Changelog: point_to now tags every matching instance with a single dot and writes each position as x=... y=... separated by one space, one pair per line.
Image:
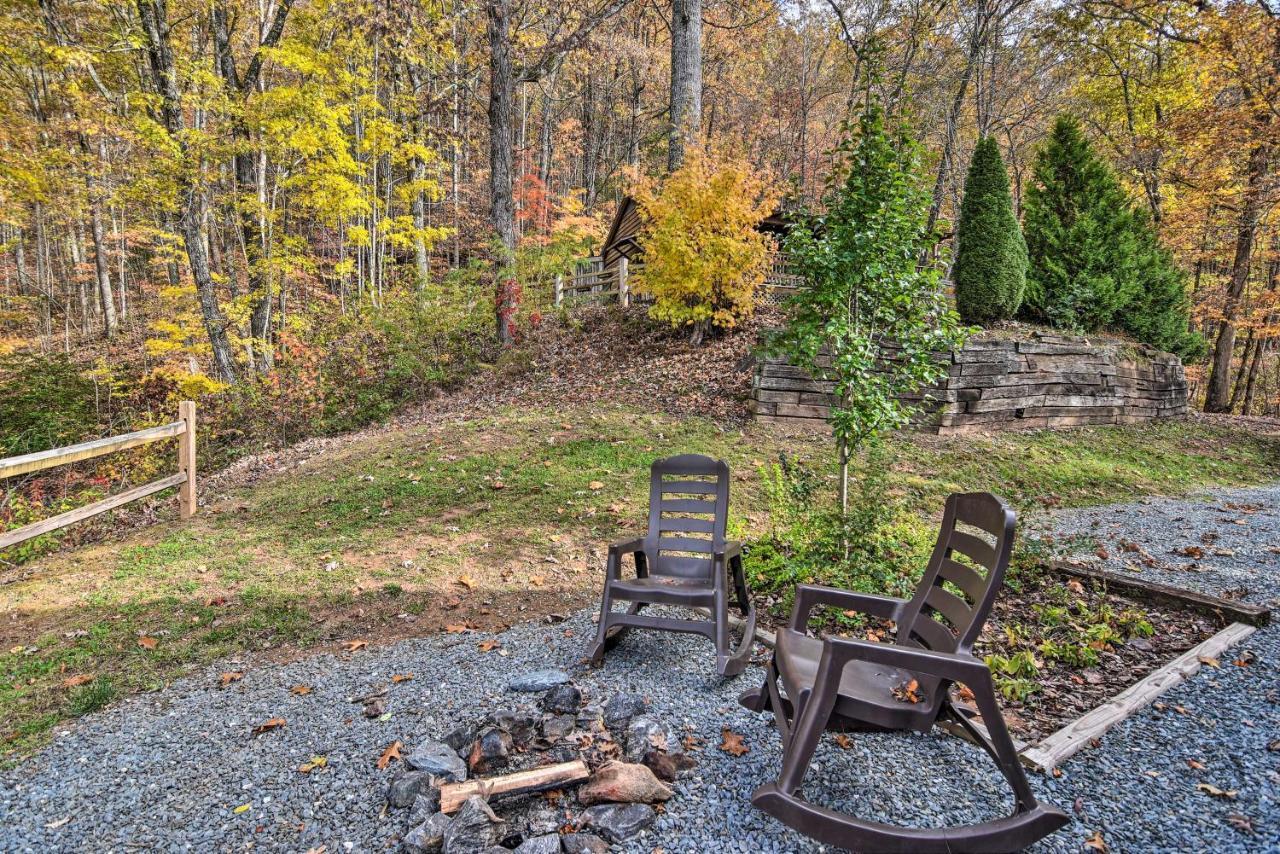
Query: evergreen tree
x=1095 y=261
x=1080 y=236
x=990 y=271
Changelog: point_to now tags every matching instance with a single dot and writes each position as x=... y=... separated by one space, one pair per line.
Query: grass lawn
x=480 y=523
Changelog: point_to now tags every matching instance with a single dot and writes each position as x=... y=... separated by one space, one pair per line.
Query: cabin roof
x=622 y=241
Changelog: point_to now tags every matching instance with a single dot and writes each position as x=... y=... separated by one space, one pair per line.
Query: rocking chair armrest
x=810 y=595
x=954 y=666
x=626 y=547
x=731 y=548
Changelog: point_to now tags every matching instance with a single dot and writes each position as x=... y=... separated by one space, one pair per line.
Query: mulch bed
x=1068 y=692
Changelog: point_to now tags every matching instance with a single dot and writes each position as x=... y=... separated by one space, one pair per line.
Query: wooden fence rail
x=185 y=431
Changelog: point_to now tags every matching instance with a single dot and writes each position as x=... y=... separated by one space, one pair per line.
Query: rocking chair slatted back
x=949 y=620
x=688 y=513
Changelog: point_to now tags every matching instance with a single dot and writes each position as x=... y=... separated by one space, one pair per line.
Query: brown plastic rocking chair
x=839 y=683
x=683 y=560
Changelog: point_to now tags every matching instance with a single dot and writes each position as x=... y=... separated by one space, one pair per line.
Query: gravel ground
x=168 y=771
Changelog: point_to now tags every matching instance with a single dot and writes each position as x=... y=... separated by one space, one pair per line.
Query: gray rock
x=547 y=844
x=557 y=727
x=562 y=699
x=460 y=737
x=490 y=750
x=474 y=829
x=617 y=822
x=584 y=843
x=538 y=680
x=645 y=733
x=427 y=837
x=425 y=805
x=621 y=708
x=522 y=725
x=404 y=788
x=439 y=759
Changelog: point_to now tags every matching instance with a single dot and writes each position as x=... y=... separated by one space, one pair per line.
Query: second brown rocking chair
x=683 y=560
x=817 y=684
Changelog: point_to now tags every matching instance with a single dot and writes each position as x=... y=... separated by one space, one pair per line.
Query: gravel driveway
x=175 y=770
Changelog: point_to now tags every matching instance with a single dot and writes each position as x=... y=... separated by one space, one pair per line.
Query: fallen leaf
x=843 y=740
x=54 y=825
x=1240 y=822
x=731 y=743
x=392 y=752
x=1214 y=792
x=595 y=484
x=497 y=484
x=1208 y=661
x=486 y=646
x=1096 y=842
x=1075 y=587
x=401 y=677
x=268 y=725
x=466 y=581
x=242 y=808
x=1195 y=764
x=300 y=690
x=148 y=642
x=455 y=628
x=353 y=645
x=230 y=676
x=313 y=763
x=73 y=681
x=908 y=692
x=537 y=580
x=1191 y=551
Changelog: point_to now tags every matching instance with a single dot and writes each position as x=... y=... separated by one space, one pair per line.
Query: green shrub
x=45 y=402
x=990 y=270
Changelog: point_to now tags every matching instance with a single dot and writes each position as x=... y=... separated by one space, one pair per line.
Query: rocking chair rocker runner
x=839 y=683
x=683 y=560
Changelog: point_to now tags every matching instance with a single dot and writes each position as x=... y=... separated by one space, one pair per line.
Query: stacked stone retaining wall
x=1010 y=384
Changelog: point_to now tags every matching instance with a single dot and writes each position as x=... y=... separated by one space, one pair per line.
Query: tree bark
x=100 y=265
x=1218 y=395
x=686 y=79
x=501 y=156
x=154 y=17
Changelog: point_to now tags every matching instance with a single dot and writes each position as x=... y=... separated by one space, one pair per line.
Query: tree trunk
x=100 y=265
x=686 y=79
x=153 y=15
x=1217 y=398
x=502 y=202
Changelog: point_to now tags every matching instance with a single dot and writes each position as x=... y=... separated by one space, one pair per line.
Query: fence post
x=187 y=458
x=624 y=290
x=559 y=289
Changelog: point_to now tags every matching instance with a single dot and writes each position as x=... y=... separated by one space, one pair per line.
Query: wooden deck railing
x=185 y=431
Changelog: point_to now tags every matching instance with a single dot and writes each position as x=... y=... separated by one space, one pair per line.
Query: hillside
x=492 y=506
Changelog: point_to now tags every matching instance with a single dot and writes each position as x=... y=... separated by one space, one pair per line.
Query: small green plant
x=91 y=697
x=1013 y=676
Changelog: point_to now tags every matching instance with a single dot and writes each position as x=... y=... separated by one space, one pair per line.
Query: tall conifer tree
x=990 y=271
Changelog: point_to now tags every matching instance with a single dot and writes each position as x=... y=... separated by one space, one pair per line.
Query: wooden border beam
x=53 y=523
x=41 y=460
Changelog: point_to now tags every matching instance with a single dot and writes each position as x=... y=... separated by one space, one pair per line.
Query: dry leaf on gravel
x=731 y=743
x=268 y=725
x=353 y=645
x=1214 y=792
x=843 y=740
x=1208 y=661
x=300 y=690
x=455 y=628
x=229 y=677
x=392 y=752
x=313 y=763
x=401 y=677
x=1195 y=764
x=489 y=645
x=1096 y=843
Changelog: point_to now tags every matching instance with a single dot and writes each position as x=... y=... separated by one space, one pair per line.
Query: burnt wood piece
x=683 y=560
x=1227 y=609
x=815 y=684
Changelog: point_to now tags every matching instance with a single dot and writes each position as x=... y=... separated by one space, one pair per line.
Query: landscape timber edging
x=1047 y=380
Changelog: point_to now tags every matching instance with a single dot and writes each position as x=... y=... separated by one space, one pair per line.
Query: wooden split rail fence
x=595 y=282
x=184 y=429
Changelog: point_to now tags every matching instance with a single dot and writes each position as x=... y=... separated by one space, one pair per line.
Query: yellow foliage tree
x=703 y=257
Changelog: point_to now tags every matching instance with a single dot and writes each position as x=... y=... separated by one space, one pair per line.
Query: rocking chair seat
x=666 y=590
x=866 y=689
